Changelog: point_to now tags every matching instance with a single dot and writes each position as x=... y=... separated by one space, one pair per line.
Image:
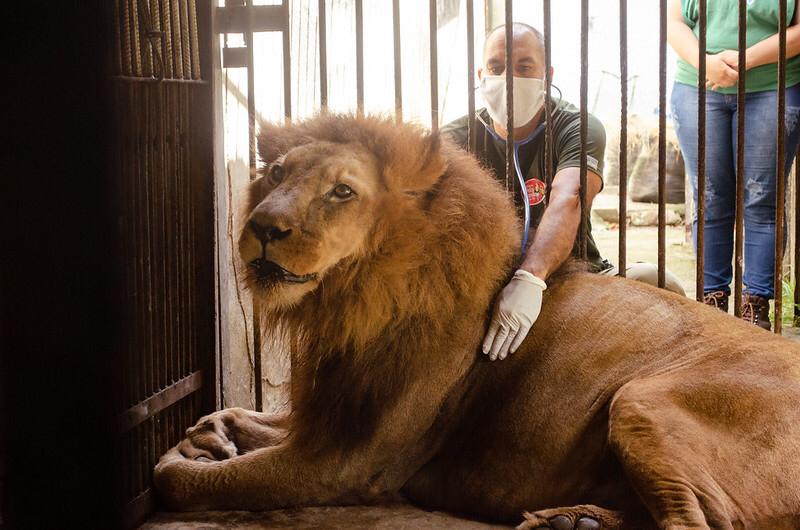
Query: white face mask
x=528 y=98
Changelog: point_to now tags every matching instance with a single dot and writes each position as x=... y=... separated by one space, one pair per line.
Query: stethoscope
x=520 y=177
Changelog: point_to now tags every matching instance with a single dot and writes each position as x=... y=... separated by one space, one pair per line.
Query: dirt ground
x=642 y=245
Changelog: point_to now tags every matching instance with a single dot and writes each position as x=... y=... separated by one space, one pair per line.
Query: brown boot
x=755 y=310
x=716 y=299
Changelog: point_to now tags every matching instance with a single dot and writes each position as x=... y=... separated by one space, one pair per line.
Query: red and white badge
x=536 y=190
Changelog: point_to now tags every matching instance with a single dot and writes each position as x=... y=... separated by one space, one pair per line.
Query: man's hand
x=719 y=74
x=515 y=311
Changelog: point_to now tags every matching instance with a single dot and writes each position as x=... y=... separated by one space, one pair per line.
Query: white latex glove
x=515 y=311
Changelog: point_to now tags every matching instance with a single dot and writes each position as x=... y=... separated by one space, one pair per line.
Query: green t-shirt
x=723 y=34
x=566 y=153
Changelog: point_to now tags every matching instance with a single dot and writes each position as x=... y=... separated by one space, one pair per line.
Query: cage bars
x=548 y=110
x=323 y=55
x=740 y=167
x=509 y=73
x=584 y=128
x=398 y=71
x=662 y=143
x=471 y=133
x=701 y=151
x=623 y=137
x=359 y=57
x=157 y=41
x=434 y=55
x=780 y=182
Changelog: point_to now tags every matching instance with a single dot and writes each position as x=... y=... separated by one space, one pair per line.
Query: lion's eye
x=343 y=191
x=276 y=174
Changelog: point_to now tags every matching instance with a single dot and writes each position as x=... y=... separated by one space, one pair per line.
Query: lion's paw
x=209 y=440
x=582 y=517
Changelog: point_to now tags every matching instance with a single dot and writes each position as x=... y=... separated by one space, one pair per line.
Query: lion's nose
x=267 y=232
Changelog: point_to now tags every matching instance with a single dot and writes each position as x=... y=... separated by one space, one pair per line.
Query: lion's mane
x=437 y=253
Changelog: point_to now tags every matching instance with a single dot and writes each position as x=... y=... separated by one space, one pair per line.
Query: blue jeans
x=720 y=189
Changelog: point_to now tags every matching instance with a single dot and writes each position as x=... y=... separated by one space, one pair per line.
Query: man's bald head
x=527 y=51
x=518 y=30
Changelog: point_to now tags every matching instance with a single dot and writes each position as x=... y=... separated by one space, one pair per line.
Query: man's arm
x=555 y=236
x=518 y=305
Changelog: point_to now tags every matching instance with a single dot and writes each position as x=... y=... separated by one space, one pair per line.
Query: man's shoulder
x=567 y=120
x=458 y=128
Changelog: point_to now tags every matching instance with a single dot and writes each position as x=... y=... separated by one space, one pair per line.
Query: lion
x=379 y=248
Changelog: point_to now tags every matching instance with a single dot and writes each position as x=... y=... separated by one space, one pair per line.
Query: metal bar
x=323 y=57
x=548 y=111
x=740 y=108
x=137 y=43
x=796 y=271
x=360 y=57
x=195 y=46
x=623 y=138
x=251 y=122
x=145 y=22
x=127 y=49
x=164 y=230
x=509 y=31
x=164 y=236
x=186 y=52
x=117 y=39
x=583 y=231
x=160 y=369
x=166 y=27
x=243 y=19
x=151 y=260
x=177 y=42
x=160 y=401
x=471 y=133
x=434 y=55
x=287 y=65
x=662 y=144
x=701 y=153
x=398 y=74
x=142 y=254
x=157 y=43
x=780 y=183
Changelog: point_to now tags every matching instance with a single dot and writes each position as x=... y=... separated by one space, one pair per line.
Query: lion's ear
x=416 y=164
x=276 y=140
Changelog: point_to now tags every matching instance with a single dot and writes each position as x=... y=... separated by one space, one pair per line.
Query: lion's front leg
x=231 y=432
x=265 y=479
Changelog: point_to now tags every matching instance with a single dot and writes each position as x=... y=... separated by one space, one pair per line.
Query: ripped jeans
x=720 y=189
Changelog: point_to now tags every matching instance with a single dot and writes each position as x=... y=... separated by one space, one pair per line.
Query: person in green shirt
x=555 y=228
x=760 y=137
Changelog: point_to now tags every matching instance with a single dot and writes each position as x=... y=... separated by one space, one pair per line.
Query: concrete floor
x=394 y=517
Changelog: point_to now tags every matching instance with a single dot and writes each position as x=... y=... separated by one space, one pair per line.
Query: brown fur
x=628 y=404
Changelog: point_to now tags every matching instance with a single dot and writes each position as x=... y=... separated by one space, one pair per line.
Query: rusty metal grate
x=165 y=233
x=156 y=39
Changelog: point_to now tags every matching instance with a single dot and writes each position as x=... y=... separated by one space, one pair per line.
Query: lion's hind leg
x=710 y=448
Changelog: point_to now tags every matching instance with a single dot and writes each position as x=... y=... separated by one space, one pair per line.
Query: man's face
x=528 y=54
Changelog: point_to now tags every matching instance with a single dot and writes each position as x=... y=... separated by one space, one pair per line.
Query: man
x=555 y=228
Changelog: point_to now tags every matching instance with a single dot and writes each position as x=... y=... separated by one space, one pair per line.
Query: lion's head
x=358 y=226
x=323 y=195
x=367 y=242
